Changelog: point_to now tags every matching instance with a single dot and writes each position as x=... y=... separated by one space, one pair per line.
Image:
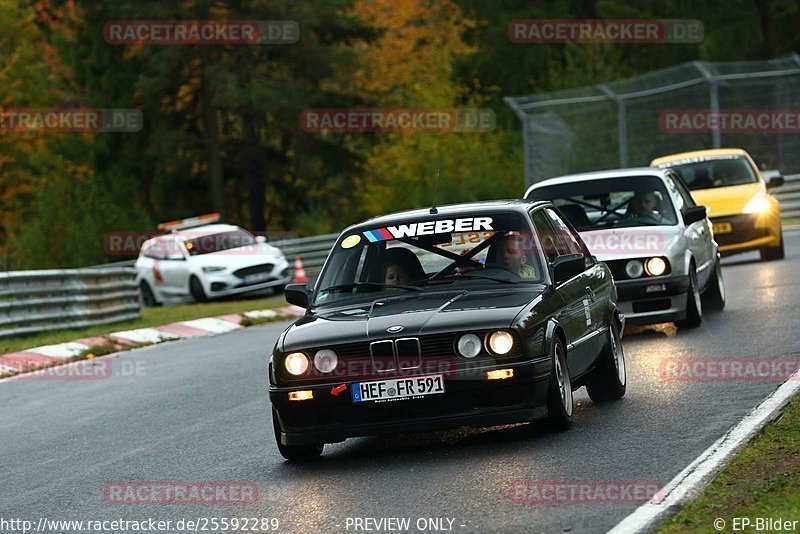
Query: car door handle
x=590 y=291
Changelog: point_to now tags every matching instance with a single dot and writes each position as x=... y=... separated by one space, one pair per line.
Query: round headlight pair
x=297 y=363
x=653 y=266
x=500 y=342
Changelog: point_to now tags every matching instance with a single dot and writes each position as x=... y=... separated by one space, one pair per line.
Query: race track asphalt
x=197 y=410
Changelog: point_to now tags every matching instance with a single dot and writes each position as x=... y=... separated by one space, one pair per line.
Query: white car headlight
x=501 y=342
x=296 y=363
x=634 y=269
x=655 y=266
x=469 y=345
x=758 y=204
x=213 y=269
x=325 y=360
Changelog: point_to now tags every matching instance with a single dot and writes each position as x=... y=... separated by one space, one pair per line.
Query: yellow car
x=727 y=181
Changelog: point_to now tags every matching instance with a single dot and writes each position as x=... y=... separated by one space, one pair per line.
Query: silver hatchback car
x=658 y=243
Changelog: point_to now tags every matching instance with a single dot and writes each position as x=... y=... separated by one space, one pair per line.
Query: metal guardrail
x=39 y=301
x=312 y=250
x=789 y=196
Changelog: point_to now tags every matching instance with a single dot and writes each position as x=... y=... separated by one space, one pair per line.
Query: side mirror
x=773 y=178
x=694 y=214
x=297 y=294
x=568 y=266
x=261 y=239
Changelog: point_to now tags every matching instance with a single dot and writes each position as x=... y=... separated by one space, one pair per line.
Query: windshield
x=218 y=242
x=495 y=248
x=707 y=173
x=612 y=202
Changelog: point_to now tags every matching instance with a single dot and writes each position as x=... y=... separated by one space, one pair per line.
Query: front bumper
x=748 y=232
x=226 y=283
x=665 y=300
x=470 y=399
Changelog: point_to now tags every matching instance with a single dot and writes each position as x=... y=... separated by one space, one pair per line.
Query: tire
x=559 y=391
x=294 y=453
x=148 y=297
x=694 y=306
x=196 y=289
x=714 y=296
x=774 y=253
x=609 y=379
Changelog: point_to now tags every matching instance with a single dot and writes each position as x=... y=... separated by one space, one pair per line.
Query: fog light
x=306 y=394
x=655 y=266
x=296 y=363
x=469 y=345
x=500 y=374
x=501 y=342
x=634 y=269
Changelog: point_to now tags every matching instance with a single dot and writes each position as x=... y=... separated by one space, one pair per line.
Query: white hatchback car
x=207 y=261
x=659 y=244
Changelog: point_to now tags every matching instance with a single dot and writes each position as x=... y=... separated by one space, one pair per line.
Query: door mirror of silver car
x=694 y=214
x=297 y=294
x=568 y=266
x=261 y=239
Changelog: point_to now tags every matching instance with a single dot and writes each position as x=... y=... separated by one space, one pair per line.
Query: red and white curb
x=39 y=357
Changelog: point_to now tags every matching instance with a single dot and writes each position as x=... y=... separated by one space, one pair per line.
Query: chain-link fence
x=686 y=107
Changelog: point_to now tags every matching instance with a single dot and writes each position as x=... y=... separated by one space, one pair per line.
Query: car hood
x=634 y=242
x=729 y=200
x=425 y=312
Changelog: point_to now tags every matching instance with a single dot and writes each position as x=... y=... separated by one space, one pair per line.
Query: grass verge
x=150 y=317
x=763 y=480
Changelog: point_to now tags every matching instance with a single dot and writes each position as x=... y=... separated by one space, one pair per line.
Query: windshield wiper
x=373 y=285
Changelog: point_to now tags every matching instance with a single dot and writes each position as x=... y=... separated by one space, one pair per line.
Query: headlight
x=634 y=268
x=501 y=342
x=212 y=269
x=325 y=360
x=296 y=363
x=758 y=204
x=655 y=266
x=469 y=345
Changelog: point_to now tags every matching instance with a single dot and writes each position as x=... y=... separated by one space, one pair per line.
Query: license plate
x=258 y=277
x=722 y=228
x=399 y=388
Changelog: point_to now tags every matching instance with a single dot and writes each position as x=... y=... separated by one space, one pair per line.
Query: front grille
x=382 y=353
x=743 y=229
x=255 y=269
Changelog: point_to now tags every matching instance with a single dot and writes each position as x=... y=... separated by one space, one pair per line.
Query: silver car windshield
x=612 y=202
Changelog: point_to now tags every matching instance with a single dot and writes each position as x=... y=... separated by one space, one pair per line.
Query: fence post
x=713 y=95
x=622 y=124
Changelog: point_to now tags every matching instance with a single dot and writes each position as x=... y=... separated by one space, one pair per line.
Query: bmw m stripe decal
x=381 y=234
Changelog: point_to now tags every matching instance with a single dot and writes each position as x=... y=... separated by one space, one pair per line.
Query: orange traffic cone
x=299 y=271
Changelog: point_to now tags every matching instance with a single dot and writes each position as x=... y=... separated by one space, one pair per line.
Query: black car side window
x=546 y=235
x=566 y=242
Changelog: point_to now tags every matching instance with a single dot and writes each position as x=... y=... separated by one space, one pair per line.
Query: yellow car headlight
x=758 y=204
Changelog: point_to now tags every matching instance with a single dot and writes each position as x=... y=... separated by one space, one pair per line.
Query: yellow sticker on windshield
x=351 y=241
